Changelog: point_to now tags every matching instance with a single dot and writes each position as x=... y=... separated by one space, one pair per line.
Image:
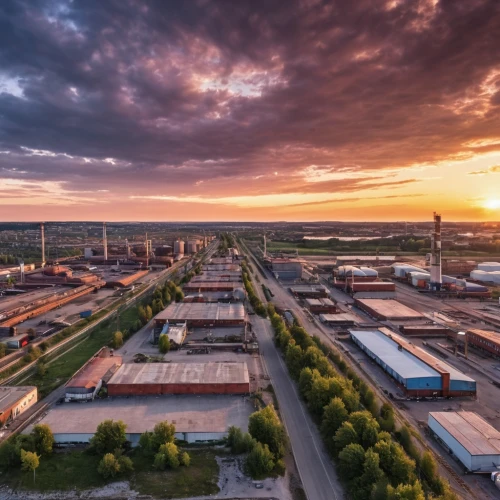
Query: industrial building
x=212 y=286
x=485 y=340
x=15 y=342
x=469 y=438
x=176 y=333
x=401 y=270
x=317 y=306
x=372 y=289
x=356 y=260
x=87 y=382
x=285 y=269
x=180 y=378
x=309 y=291
x=16 y=400
x=418 y=373
x=425 y=331
x=196 y=418
x=339 y=320
x=358 y=273
x=202 y=314
x=387 y=309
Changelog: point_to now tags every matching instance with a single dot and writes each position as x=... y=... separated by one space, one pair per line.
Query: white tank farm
x=350 y=271
x=178 y=247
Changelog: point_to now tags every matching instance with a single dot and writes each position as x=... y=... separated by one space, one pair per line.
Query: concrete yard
x=192 y=415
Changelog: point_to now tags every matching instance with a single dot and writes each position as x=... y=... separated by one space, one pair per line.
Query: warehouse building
x=16 y=400
x=387 y=309
x=374 y=260
x=196 y=418
x=87 y=382
x=317 y=306
x=486 y=340
x=180 y=378
x=339 y=320
x=469 y=438
x=285 y=269
x=309 y=291
x=417 y=373
x=212 y=286
x=202 y=314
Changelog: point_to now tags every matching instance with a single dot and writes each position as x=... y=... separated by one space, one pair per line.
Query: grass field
x=77 y=470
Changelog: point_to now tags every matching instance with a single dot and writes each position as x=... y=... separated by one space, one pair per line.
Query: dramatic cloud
x=244 y=103
x=491 y=170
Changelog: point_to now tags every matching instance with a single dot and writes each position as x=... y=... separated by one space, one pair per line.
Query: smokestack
x=436 y=276
x=42 y=237
x=105 y=241
x=265 y=247
x=127 y=246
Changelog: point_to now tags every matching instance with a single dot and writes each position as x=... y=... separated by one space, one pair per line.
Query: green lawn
x=77 y=470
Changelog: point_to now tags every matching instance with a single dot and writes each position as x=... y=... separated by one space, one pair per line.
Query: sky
x=249 y=110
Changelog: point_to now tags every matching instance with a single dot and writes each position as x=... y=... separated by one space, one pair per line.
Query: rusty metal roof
x=95 y=370
x=476 y=435
x=180 y=311
x=181 y=373
x=10 y=396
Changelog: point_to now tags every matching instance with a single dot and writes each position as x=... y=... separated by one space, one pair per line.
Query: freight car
x=484 y=340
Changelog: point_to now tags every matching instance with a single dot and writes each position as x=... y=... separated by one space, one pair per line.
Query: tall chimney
x=42 y=236
x=127 y=246
x=436 y=277
x=105 y=241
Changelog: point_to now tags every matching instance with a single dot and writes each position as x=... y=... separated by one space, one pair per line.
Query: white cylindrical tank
x=179 y=247
x=489 y=266
x=369 y=271
x=192 y=246
x=350 y=271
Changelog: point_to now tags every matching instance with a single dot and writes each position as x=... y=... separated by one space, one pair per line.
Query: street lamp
x=464 y=335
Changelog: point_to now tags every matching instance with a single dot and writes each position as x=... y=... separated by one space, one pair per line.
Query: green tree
x=30 y=462
x=386 y=419
x=41 y=368
x=260 y=461
x=305 y=381
x=428 y=466
x=167 y=298
x=146 y=443
x=3 y=350
x=351 y=460
x=315 y=359
x=9 y=454
x=403 y=467
x=179 y=295
x=109 y=436
x=43 y=439
x=167 y=457
x=117 y=339
x=126 y=464
x=265 y=427
x=319 y=395
x=149 y=313
x=334 y=416
x=143 y=316
x=164 y=343
x=366 y=427
x=345 y=436
x=238 y=441
x=185 y=459
x=372 y=473
x=406 y=492
x=163 y=432
x=109 y=466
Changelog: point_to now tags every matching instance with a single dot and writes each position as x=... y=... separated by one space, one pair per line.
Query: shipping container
x=86 y=314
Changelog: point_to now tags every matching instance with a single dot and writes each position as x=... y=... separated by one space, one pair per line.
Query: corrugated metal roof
x=181 y=373
x=402 y=362
x=390 y=308
x=94 y=371
x=476 y=435
x=9 y=396
x=178 y=311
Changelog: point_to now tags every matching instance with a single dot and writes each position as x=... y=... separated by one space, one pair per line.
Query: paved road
x=315 y=467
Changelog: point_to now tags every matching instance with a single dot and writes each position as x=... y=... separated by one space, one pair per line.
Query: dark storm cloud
x=218 y=92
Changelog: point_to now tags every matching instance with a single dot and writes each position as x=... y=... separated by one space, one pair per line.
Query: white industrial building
x=196 y=418
x=492 y=277
x=401 y=270
x=489 y=266
x=469 y=438
x=360 y=271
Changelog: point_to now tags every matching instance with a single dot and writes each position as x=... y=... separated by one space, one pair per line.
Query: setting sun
x=492 y=204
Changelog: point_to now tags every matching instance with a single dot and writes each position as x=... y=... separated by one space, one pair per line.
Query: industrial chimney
x=436 y=277
x=42 y=237
x=105 y=241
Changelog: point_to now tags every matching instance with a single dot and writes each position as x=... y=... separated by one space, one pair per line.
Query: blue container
x=86 y=314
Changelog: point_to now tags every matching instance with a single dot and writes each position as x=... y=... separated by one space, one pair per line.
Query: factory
x=372 y=289
x=87 y=381
x=317 y=306
x=387 y=309
x=309 y=291
x=180 y=378
x=285 y=269
x=417 y=373
x=16 y=400
x=469 y=438
x=202 y=314
x=197 y=419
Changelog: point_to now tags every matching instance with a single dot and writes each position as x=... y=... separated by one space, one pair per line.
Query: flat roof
x=476 y=435
x=204 y=310
x=406 y=364
x=187 y=412
x=177 y=333
x=94 y=371
x=10 y=395
x=320 y=302
x=213 y=285
x=181 y=373
x=390 y=308
x=339 y=318
x=308 y=288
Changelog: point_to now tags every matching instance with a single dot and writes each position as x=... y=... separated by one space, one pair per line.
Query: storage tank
x=192 y=246
x=350 y=271
x=489 y=266
x=179 y=247
x=369 y=271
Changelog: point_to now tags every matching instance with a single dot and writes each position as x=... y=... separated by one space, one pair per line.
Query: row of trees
x=265 y=443
x=255 y=302
x=356 y=432
x=26 y=450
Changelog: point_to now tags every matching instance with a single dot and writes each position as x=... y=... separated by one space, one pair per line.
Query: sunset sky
x=249 y=110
